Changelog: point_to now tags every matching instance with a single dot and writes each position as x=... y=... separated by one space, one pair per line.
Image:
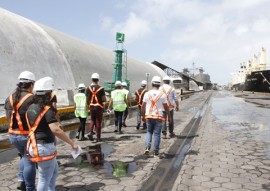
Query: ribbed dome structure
x=26 y=45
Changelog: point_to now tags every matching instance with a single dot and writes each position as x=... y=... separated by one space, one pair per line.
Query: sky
x=216 y=35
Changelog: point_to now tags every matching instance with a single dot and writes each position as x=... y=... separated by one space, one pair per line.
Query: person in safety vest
x=44 y=127
x=139 y=98
x=128 y=97
x=95 y=97
x=16 y=106
x=172 y=100
x=81 y=110
x=153 y=103
x=119 y=103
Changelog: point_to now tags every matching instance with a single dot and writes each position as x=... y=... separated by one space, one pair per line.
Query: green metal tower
x=119 y=63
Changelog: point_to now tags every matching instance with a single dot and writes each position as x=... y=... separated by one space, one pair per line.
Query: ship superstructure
x=253 y=75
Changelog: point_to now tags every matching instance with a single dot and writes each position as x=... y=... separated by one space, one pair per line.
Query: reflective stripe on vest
x=140 y=97
x=167 y=96
x=32 y=139
x=94 y=97
x=15 y=111
x=154 y=107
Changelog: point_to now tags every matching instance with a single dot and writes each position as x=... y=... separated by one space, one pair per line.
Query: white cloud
x=261 y=25
x=106 y=22
x=217 y=35
x=134 y=27
x=241 y=29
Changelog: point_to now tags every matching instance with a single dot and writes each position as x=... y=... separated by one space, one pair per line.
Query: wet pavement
x=230 y=151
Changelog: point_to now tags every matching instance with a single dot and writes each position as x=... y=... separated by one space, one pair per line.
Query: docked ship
x=253 y=75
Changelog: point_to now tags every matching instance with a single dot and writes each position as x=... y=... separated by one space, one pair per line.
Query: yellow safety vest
x=118 y=97
x=80 y=101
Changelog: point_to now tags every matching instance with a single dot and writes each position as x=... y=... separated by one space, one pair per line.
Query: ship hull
x=258 y=81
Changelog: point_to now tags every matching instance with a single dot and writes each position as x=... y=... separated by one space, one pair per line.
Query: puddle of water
x=95 y=158
x=248 y=121
x=120 y=169
x=130 y=137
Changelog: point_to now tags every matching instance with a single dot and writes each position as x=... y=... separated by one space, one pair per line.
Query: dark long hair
x=43 y=100
x=17 y=94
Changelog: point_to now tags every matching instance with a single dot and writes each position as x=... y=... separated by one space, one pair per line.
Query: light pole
x=147 y=78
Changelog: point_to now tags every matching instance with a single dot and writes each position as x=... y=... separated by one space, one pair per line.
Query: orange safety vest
x=167 y=96
x=94 y=97
x=15 y=111
x=32 y=139
x=140 y=96
x=154 y=106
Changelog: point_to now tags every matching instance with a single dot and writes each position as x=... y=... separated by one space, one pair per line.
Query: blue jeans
x=47 y=170
x=27 y=169
x=171 y=125
x=154 y=126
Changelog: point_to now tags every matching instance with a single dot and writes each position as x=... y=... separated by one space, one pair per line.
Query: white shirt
x=172 y=95
x=159 y=103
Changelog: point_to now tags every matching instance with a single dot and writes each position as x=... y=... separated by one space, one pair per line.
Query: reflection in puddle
x=120 y=169
x=95 y=158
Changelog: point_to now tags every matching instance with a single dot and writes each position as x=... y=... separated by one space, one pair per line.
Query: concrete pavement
x=226 y=160
x=118 y=163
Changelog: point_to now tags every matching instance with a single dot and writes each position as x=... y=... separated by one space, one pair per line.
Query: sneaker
x=138 y=126
x=21 y=186
x=90 y=137
x=98 y=140
x=164 y=133
x=92 y=133
x=156 y=154
x=115 y=131
x=83 y=139
x=146 y=151
x=78 y=135
x=172 y=135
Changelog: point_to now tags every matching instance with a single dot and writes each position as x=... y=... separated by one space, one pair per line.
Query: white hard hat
x=156 y=80
x=49 y=79
x=166 y=78
x=43 y=85
x=27 y=77
x=95 y=76
x=144 y=83
x=118 y=83
x=81 y=86
x=124 y=83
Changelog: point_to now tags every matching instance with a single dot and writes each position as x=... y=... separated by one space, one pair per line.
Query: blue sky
x=217 y=35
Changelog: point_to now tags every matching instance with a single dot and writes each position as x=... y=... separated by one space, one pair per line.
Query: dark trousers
x=96 y=120
x=139 y=115
x=125 y=115
x=82 y=125
x=118 y=119
x=164 y=125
